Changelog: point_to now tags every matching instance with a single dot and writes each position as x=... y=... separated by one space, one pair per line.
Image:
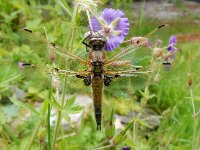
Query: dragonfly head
x=97 y=42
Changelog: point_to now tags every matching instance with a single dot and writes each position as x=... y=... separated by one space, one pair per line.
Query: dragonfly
x=97 y=69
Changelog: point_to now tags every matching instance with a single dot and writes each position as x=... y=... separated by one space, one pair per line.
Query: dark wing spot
x=161 y=26
x=28 y=30
x=52 y=44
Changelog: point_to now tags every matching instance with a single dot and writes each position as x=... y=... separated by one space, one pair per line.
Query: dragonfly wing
x=46 y=57
x=136 y=75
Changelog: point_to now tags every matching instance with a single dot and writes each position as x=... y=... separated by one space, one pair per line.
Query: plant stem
x=4 y=138
x=91 y=28
x=49 y=127
x=72 y=32
x=59 y=113
x=10 y=133
x=105 y=141
x=192 y=100
x=71 y=36
x=194 y=117
x=29 y=144
x=48 y=119
x=104 y=147
x=56 y=129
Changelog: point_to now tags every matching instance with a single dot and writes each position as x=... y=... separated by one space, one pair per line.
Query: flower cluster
x=168 y=56
x=172 y=43
x=113 y=26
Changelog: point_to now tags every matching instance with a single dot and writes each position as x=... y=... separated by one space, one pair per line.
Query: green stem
x=194 y=134
x=72 y=32
x=10 y=133
x=49 y=126
x=198 y=141
x=194 y=117
x=105 y=141
x=59 y=113
x=56 y=129
x=91 y=28
x=48 y=119
x=192 y=100
x=29 y=144
x=65 y=82
x=134 y=132
x=103 y=147
x=4 y=138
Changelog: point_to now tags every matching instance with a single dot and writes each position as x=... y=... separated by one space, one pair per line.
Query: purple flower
x=126 y=148
x=171 y=47
x=113 y=26
x=20 y=64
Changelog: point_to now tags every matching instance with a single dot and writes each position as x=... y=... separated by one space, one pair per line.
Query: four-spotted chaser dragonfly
x=94 y=66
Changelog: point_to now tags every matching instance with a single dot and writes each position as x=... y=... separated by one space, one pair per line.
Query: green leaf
x=67 y=118
x=69 y=102
x=3 y=117
x=34 y=24
x=143 y=123
x=75 y=109
x=45 y=107
x=56 y=102
x=26 y=106
x=65 y=6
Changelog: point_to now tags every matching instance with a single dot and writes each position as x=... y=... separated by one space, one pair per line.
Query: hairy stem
x=29 y=144
x=105 y=141
x=59 y=113
x=194 y=117
x=69 y=43
x=48 y=119
x=91 y=28
x=103 y=147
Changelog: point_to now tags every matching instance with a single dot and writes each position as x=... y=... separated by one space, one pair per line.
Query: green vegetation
x=25 y=105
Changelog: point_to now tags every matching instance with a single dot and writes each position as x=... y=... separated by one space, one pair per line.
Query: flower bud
x=41 y=135
x=118 y=139
x=168 y=55
x=110 y=131
x=190 y=79
x=158 y=43
x=142 y=41
x=157 y=52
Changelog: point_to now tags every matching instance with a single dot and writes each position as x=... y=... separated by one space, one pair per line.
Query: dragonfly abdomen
x=97 y=87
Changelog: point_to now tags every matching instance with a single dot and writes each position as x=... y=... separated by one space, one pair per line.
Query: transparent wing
x=133 y=67
x=45 y=64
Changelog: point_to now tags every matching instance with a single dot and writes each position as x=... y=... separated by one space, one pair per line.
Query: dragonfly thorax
x=97 y=42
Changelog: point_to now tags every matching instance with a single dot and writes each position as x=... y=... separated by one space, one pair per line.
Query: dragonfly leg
x=86 y=76
x=85 y=43
x=108 y=79
x=86 y=79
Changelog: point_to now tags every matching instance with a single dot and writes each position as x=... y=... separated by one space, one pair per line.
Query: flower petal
x=114 y=42
x=123 y=26
x=171 y=46
x=172 y=40
x=113 y=25
x=95 y=25
x=110 y=14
